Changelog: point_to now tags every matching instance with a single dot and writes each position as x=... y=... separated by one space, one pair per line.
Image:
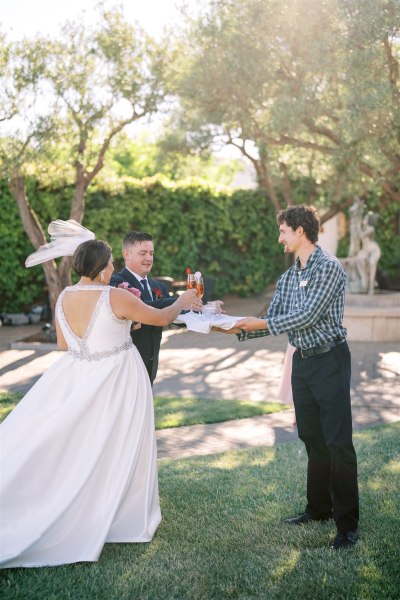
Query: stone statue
x=370 y=253
x=364 y=252
x=353 y=284
x=356 y=214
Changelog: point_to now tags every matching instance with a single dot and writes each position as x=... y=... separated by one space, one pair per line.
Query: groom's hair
x=132 y=237
x=301 y=216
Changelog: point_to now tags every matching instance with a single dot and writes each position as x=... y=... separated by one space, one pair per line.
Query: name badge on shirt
x=303 y=283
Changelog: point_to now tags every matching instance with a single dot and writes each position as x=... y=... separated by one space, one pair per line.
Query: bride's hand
x=189 y=299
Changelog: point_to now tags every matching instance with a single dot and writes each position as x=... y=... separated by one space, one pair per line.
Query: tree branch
x=286 y=185
x=100 y=160
x=29 y=219
x=334 y=209
x=262 y=170
x=285 y=140
x=393 y=65
x=324 y=131
x=392 y=192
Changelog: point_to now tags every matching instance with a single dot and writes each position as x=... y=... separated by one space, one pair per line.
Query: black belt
x=320 y=349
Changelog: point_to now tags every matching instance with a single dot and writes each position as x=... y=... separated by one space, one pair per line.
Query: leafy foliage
x=226 y=235
x=64 y=101
x=142 y=157
x=310 y=88
x=230 y=236
x=19 y=287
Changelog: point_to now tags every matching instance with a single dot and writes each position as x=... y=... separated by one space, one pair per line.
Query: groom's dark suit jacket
x=147 y=339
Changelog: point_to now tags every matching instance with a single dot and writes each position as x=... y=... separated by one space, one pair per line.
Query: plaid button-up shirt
x=308 y=303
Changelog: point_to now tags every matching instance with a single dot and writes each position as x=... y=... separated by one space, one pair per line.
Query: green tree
x=167 y=155
x=304 y=88
x=65 y=101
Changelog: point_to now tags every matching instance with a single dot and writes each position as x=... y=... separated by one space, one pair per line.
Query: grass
x=8 y=400
x=175 y=412
x=222 y=536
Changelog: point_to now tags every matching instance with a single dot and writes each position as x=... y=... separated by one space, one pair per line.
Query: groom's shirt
x=308 y=303
x=141 y=280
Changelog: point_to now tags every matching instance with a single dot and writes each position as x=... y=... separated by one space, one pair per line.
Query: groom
x=138 y=252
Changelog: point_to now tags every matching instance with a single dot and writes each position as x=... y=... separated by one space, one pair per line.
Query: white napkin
x=195 y=322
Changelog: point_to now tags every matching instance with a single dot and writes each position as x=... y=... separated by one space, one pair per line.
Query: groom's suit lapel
x=152 y=285
x=130 y=278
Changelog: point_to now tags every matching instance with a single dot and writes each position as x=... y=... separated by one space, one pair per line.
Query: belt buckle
x=305 y=355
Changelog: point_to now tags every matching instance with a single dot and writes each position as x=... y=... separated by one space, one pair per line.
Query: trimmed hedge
x=229 y=236
x=19 y=287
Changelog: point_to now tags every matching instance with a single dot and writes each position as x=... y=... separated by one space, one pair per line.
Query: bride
x=78 y=453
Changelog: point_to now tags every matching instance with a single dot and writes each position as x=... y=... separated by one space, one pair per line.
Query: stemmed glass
x=191 y=285
x=200 y=289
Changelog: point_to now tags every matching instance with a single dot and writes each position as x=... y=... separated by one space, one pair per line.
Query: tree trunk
x=34 y=231
x=286 y=185
x=265 y=181
x=262 y=170
x=78 y=201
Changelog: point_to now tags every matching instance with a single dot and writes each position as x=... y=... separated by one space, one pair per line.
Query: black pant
x=150 y=370
x=321 y=395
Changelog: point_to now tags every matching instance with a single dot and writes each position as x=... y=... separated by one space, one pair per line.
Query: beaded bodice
x=106 y=335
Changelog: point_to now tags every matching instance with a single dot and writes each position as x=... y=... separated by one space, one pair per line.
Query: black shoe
x=299 y=520
x=345 y=539
x=304 y=518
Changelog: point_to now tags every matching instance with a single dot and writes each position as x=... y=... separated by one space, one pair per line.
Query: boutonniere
x=125 y=285
x=157 y=292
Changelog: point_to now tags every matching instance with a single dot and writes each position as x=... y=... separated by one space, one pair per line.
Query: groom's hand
x=252 y=324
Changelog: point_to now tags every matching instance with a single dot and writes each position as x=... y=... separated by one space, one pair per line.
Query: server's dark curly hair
x=301 y=216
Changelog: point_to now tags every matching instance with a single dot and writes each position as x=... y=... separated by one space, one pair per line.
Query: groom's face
x=139 y=257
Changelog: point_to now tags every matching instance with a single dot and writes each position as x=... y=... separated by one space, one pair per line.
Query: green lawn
x=175 y=412
x=222 y=536
x=7 y=402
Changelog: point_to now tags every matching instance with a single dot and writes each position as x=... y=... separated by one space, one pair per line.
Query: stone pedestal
x=373 y=318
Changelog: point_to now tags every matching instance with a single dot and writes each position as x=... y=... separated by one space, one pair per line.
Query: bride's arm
x=61 y=343
x=127 y=306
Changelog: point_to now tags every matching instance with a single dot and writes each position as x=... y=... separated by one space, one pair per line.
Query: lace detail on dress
x=83 y=286
x=84 y=353
x=59 y=310
x=111 y=312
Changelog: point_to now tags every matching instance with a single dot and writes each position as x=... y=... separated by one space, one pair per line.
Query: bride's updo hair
x=90 y=258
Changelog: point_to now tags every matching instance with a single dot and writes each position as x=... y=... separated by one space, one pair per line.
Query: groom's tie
x=146 y=294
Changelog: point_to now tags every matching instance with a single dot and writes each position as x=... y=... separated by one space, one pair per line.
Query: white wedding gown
x=78 y=453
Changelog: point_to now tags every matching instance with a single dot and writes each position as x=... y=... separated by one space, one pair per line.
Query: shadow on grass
x=222 y=535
